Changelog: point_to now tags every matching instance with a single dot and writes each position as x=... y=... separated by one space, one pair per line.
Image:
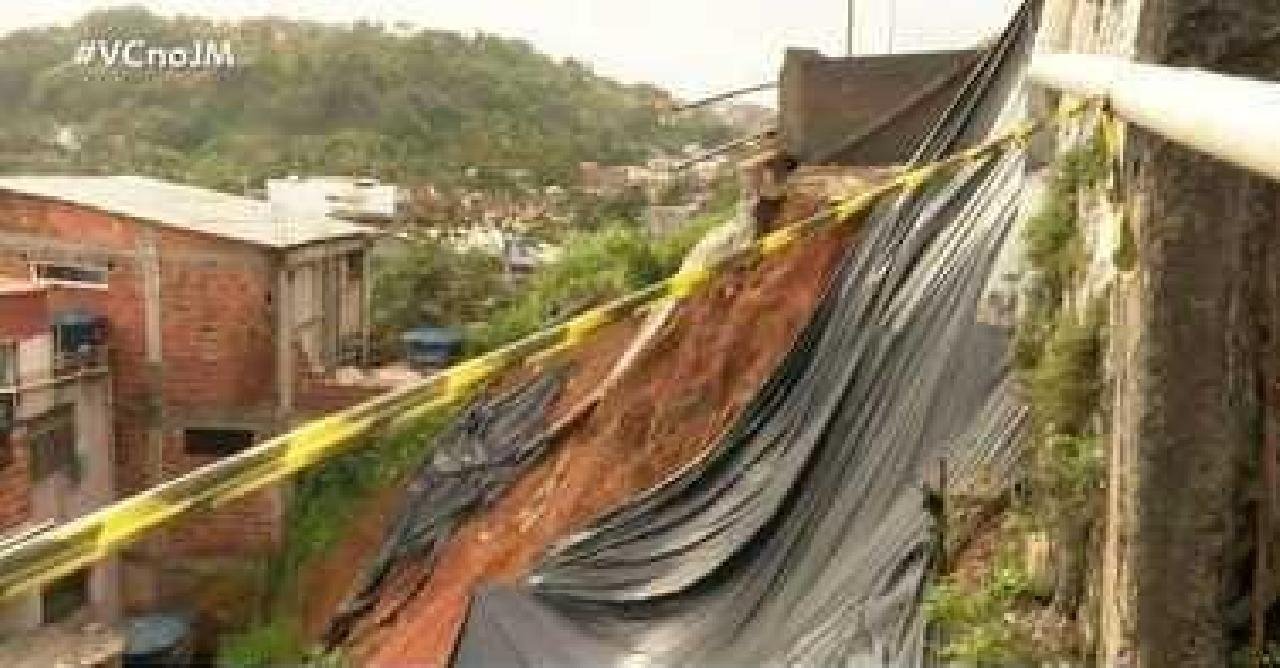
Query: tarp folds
x=802 y=537
x=473 y=461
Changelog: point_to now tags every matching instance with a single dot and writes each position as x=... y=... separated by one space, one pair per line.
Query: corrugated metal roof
x=184 y=207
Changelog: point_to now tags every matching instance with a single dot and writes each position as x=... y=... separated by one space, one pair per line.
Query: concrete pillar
x=149 y=267
x=284 y=341
x=366 y=303
x=1197 y=324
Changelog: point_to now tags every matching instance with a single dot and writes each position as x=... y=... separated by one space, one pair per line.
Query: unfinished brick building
x=55 y=441
x=222 y=320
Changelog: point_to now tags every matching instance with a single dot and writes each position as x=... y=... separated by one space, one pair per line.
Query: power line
x=721 y=97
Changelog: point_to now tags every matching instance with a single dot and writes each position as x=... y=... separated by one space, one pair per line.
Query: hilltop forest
x=395 y=102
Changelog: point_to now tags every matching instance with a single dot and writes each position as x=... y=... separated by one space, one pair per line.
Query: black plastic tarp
x=470 y=464
x=802 y=537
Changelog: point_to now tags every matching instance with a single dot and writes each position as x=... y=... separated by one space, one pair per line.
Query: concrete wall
x=1208 y=243
x=866 y=110
x=1193 y=344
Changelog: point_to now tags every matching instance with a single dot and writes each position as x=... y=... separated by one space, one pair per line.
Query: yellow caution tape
x=913 y=180
x=779 y=240
x=461 y=379
x=687 y=281
x=858 y=203
x=38 y=560
x=133 y=515
x=1112 y=133
x=579 y=328
x=309 y=443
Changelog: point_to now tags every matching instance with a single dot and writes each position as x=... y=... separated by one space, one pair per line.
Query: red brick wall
x=246 y=526
x=217 y=323
x=217 y=342
x=318 y=396
x=23 y=314
x=219 y=353
x=15 y=484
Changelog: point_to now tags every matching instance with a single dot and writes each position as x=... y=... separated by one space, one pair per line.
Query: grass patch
x=979 y=621
x=325 y=500
x=275 y=643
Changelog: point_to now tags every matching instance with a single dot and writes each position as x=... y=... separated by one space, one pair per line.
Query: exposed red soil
x=977 y=555
x=323 y=585
x=720 y=346
x=326 y=582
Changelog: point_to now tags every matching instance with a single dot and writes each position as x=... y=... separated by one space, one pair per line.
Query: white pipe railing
x=1231 y=118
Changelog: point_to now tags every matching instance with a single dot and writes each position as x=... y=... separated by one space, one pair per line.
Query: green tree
x=312 y=97
x=427 y=282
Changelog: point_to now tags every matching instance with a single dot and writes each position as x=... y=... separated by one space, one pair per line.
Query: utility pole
x=893 y=23
x=848 y=30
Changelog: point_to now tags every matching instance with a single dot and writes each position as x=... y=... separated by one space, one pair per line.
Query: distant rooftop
x=183 y=207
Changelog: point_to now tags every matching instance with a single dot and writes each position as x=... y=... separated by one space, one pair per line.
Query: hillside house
x=55 y=442
x=364 y=201
x=224 y=325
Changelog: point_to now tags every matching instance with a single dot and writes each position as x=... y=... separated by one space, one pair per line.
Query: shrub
x=324 y=502
x=266 y=645
x=1058 y=353
x=1053 y=245
x=980 y=621
x=594 y=268
x=1063 y=381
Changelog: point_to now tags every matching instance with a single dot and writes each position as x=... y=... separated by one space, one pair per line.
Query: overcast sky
x=693 y=47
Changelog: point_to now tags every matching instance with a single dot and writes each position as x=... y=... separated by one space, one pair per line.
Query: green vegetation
x=1246 y=656
x=1126 y=253
x=324 y=503
x=326 y=499
x=428 y=282
x=979 y=621
x=1064 y=387
x=273 y=643
x=1058 y=356
x=595 y=267
x=432 y=283
x=1054 y=247
x=1058 y=348
x=363 y=99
